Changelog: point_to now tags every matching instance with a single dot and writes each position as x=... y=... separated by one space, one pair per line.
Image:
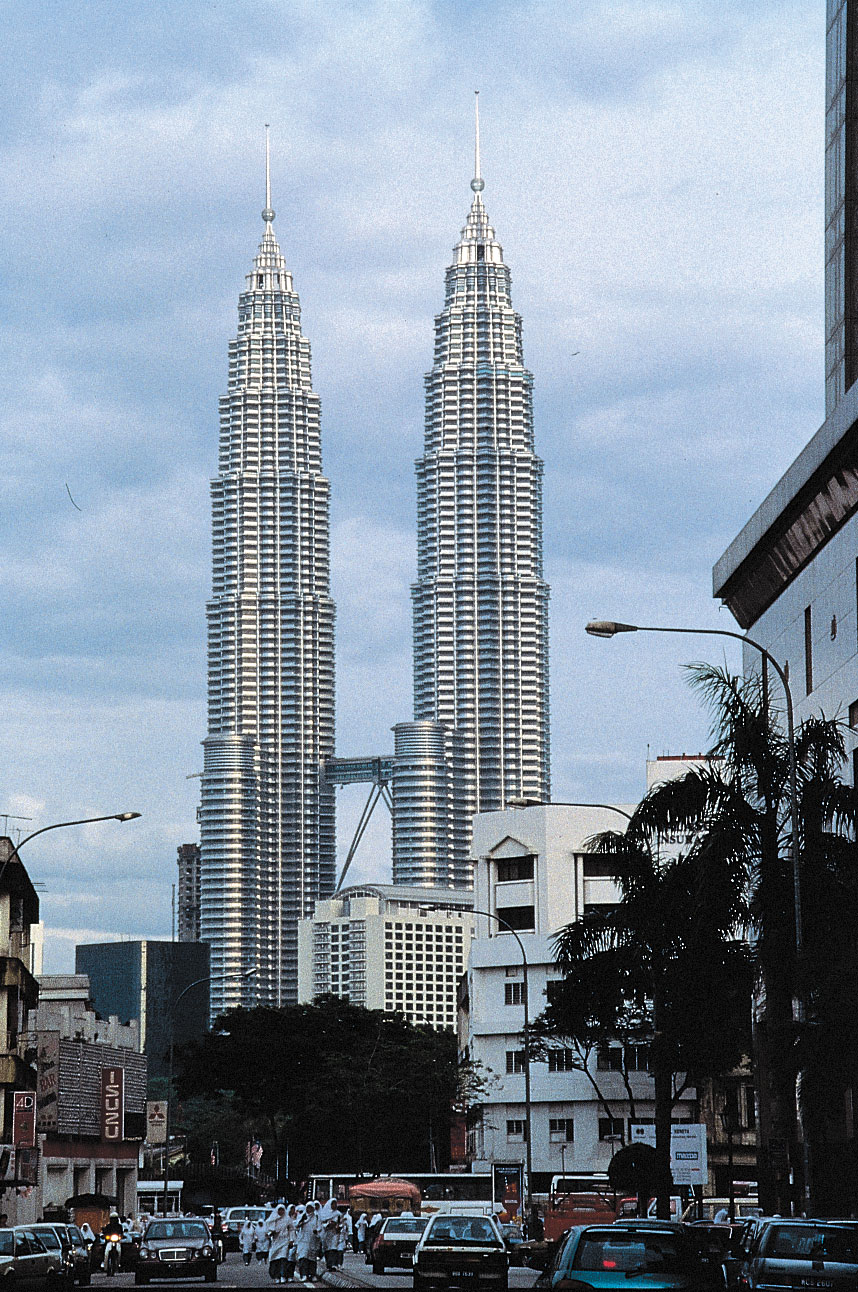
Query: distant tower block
x=188 y=912
x=431 y=828
x=268 y=847
x=480 y=602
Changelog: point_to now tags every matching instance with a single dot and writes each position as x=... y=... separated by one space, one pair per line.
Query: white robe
x=280 y=1236
x=304 y=1235
x=246 y=1236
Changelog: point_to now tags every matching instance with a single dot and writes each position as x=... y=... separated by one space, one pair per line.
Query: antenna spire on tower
x=477 y=183
x=267 y=214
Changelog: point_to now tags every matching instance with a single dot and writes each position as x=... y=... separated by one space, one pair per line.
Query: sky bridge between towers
x=375 y=771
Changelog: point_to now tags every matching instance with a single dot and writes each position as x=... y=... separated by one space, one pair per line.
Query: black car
x=804 y=1254
x=172 y=1249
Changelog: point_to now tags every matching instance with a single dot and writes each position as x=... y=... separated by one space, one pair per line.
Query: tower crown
x=478 y=241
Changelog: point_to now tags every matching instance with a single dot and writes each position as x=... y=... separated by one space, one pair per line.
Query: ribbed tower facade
x=268 y=847
x=480 y=602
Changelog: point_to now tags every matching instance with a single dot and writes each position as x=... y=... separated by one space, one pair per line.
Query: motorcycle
x=112 y=1253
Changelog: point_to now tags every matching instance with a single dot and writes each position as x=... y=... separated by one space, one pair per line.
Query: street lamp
x=528 y=1152
x=61 y=825
x=608 y=807
x=610 y=628
x=248 y=973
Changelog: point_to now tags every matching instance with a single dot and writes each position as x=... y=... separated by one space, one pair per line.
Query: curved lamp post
x=198 y=982
x=61 y=825
x=610 y=628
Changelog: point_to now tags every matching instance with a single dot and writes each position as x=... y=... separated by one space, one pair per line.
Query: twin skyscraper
x=480 y=736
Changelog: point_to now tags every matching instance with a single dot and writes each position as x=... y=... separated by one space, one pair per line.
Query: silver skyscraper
x=480 y=603
x=267 y=816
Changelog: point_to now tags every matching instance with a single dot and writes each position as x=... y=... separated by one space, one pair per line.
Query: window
x=808 y=651
x=515 y=1061
x=517 y=917
x=561 y=1130
x=513 y=993
x=562 y=1060
x=598 y=868
x=637 y=1058
x=610 y=1128
x=609 y=1058
x=512 y=868
x=516 y=1129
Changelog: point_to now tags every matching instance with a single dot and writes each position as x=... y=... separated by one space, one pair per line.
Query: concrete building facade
x=268 y=846
x=532 y=871
x=188 y=893
x=389 y=947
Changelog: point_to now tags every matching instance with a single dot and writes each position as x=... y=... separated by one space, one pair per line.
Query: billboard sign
x=507 y=1182
x=689 y=1161
x=24 y=1118
x=113 y=1104
x=156 y=1121
x=48 y=1082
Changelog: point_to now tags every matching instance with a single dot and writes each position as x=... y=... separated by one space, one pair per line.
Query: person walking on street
x=343 y=1236
x=262 y=1239
x=247 y=1241
x=359 y=1232
x=304 y=1236
x=279 y=1238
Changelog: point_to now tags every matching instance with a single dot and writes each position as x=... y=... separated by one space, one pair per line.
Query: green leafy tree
x=340 y=1087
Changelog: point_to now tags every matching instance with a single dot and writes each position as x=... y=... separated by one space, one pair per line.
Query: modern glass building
x=480 y=602
x=267 y=815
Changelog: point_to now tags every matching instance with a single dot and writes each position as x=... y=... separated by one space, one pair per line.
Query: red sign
x=24 y=1118
x=113 y=1104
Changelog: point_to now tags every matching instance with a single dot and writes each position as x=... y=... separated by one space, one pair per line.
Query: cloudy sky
x=654 y=171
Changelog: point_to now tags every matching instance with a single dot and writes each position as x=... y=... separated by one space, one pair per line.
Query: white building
x=268 y=847
x=531 y=870
x=387 y=947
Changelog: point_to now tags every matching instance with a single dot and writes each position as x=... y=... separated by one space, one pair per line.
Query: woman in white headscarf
x=246 y=1241
x=278 y=1228
x=262 y=1240
x=329 y=1218
x=361 y=1226
x=343 y=1236
x=304 y=1236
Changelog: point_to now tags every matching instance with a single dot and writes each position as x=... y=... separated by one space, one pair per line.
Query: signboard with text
x=507 y=1182
x=689 y=1161
x=24 y=1118
x=48 y=1082
x=113 y=1104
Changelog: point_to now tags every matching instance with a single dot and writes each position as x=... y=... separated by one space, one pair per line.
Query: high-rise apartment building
x=188 y=904
x=841 y=201
x=267 y=815
x=480 y=602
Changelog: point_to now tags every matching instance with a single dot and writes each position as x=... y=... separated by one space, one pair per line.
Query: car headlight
x=207 y=1251
x=144 y=1251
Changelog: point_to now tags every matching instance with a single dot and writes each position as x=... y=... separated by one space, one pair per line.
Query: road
x=355 y=1273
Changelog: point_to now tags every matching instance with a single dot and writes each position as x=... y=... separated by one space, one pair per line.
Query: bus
x=434 y=1186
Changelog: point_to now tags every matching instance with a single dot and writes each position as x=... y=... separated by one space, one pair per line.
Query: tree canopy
x=341 y=1088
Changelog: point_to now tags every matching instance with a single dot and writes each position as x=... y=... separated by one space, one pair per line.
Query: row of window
x=561 y=1130
x=561 y=1059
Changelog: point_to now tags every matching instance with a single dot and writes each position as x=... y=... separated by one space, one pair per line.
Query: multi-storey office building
x=531 y=869
x=389 y=947
x=480 y=603
x=431 y=825
x=267 y=815
x=188 y=904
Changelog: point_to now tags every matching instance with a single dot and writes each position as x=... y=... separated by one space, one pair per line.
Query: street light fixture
x=248 y=973
x=61 y=825
x=610 y=628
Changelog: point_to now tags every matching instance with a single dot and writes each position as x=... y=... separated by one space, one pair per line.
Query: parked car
x=172 y=1249
x=395 y=1241
x=804 y=1254
x=234 y=1218
x=52 y=1237
x=644 y=1254
x=455 y=1249
x=74 y=1248
x=26 y=1263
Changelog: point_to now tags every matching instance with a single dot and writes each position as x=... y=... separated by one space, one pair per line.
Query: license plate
x=807 y=1282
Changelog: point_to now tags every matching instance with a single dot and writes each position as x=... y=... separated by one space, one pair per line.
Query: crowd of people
x=295 y=1237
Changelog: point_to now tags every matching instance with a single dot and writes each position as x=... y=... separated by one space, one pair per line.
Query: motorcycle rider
x=111 y=1236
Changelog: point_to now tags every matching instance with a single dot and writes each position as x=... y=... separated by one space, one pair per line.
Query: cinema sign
x=113 y=1105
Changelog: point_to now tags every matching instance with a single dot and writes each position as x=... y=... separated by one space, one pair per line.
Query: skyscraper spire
x=267 y=214
x=477 y=183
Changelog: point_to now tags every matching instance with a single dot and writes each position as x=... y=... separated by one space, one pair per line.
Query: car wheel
x=86 y=1278
x=139 y=1277
x=377 y=1267
x=211 y=1274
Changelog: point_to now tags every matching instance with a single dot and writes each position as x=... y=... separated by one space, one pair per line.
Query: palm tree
x=739 y=806
x=668 y=949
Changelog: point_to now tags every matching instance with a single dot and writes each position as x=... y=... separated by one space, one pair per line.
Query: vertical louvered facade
x=480 y=602
x=267 y=817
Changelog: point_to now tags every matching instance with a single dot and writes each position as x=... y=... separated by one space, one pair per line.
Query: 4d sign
x=113 y=1104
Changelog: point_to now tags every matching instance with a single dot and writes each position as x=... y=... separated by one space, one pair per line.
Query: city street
x=355 y=1273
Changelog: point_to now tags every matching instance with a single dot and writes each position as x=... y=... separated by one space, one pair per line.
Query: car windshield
x=410 y=1225
x=176 y=1229
x=7 y=1242
x=49 y=1238
x=647 y=1253
x=464 y=1230
x=813 y=1242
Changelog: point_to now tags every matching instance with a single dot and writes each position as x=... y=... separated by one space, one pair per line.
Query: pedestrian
x=304 y=1236
x=344 y=1234
x=329 y=1219
x=372 y=1234
x=277 y=1230
x=317 y=1236
x=361 y=1226
x=247 y=1241
x=289 y=1263
x=262 y=1238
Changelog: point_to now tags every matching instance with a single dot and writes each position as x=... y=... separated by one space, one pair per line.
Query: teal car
x=622 y=1258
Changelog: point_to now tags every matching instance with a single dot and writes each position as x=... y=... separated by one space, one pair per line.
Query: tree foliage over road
x=341 y=1088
